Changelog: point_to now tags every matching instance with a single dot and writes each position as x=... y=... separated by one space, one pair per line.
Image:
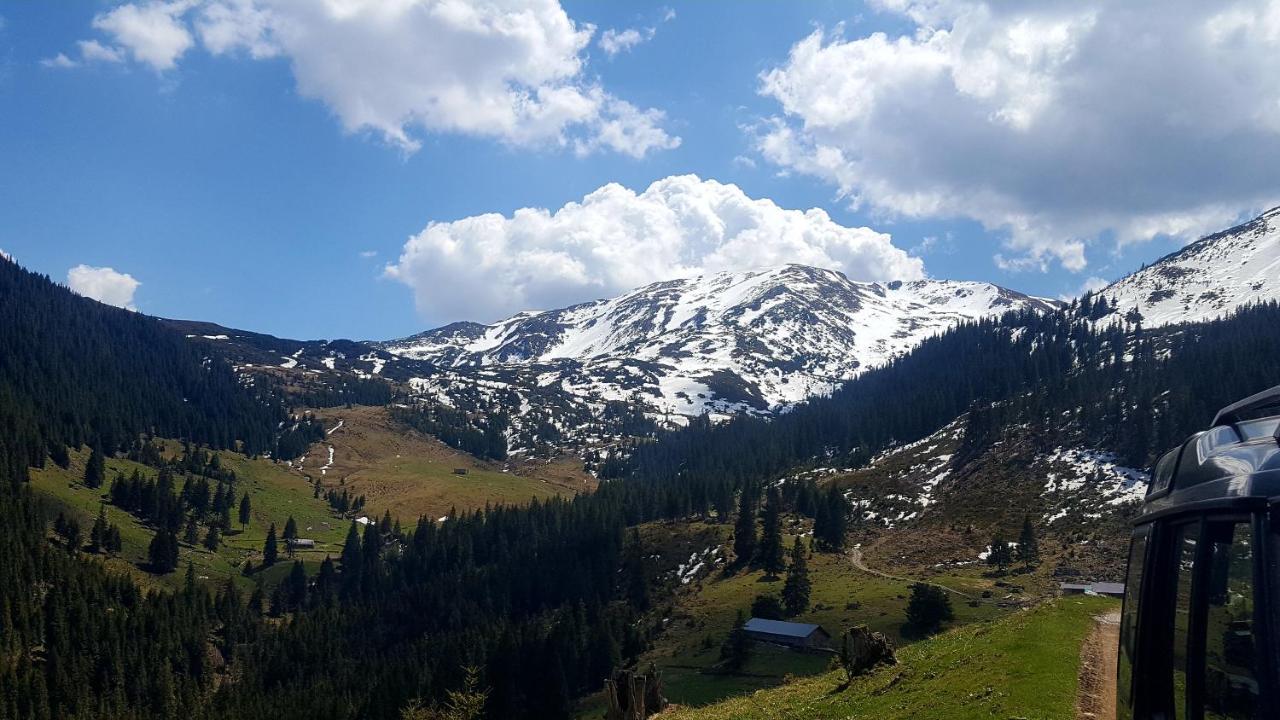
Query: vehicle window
x=1129 y=623
x=1216 y=438
x=1186 y=543
x=1230 y=679
x=1164 y=471
x=1255 y=429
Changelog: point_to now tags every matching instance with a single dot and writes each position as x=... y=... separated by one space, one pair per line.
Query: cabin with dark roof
x=1110 y=589
x=778 y=632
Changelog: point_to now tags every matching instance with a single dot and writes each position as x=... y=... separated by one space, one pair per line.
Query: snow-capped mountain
x=728 y=342
x=1208 y=278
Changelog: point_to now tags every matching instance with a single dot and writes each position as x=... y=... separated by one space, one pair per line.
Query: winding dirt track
x=855 y=557
x=1096 y=698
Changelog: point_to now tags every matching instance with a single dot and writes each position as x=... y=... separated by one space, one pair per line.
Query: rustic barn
x=801 y=635
x=1110 y=589
x=302 y=543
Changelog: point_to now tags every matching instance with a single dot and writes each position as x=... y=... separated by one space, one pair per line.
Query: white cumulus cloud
x=486 y=267
x=613 y=41
x=510 y=70
x=153 y=33
x=1055 y=122
x=103 y=284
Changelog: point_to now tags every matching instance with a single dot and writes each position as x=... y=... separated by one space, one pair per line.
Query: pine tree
x=744 y=530
x=94 y=469
x=352 y=557
x=212 y=538
x=637 y=579
x=269 y=550
x=163 y=552
x=98 y=536
x=192 y=534
x=1028 y=550
x=832 y=521
x=290 y=529
x=795 y=591
x=928 y=608
x=770 y=554
x=999 y=556
x=296 y=586
x=736 y=650
x=245 y=511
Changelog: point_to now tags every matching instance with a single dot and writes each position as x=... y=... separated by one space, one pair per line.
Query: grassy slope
x=398 y=470
x=704 y=610
x=1024 y=665
x=411 y=475
x=274 y=494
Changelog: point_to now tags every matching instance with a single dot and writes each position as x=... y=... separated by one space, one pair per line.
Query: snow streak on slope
x=727 y=342
x=1208 y=278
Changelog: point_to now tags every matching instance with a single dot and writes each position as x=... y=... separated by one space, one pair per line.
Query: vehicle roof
x=1225 y=462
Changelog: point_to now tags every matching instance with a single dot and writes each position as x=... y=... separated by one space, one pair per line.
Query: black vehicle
x=1198 y=633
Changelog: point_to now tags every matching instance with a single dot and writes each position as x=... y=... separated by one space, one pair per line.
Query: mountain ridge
x=780 y=334
x=1207 y=278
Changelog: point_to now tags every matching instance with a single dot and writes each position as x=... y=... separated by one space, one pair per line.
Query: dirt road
x=1096 y=698
x=855 y=557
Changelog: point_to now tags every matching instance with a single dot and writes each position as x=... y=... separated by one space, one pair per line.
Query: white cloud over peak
x=510 y=70
x=1056 y=123
x=103 y=284
x=489 y=266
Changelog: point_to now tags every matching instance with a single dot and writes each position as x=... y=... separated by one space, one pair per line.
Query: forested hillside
x=530 y=597
x=76 y=371
x=74 y=641
x=1135 y=391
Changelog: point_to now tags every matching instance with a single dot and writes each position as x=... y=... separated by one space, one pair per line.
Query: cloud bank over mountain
x=488 y=266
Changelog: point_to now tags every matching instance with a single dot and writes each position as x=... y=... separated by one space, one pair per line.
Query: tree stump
x=634 y=696
x=862 y=650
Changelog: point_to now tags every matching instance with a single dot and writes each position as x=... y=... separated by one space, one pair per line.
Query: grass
x=1023 y=665
x=275 y=494
x=412 y=475
x=703 y=613
x=397 y=470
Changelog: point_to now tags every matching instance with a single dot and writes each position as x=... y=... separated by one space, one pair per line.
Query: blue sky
x=232 y=194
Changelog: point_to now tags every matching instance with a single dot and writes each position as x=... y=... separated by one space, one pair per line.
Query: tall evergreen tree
x=744 y=530
x=771 y=554
x=191 y=535
x=269 y=549
x=290 y=529
x=832 y=521
x=245 y=511
x=212 y=538
x=999 y=556
x=94 y=469
x=737 y=647
x=1028 y=550
x=795 y=592
x=100 y=534
x=163 y=552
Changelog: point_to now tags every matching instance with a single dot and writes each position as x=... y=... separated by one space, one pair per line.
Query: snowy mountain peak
x=1208 y=278
x=724 y=342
